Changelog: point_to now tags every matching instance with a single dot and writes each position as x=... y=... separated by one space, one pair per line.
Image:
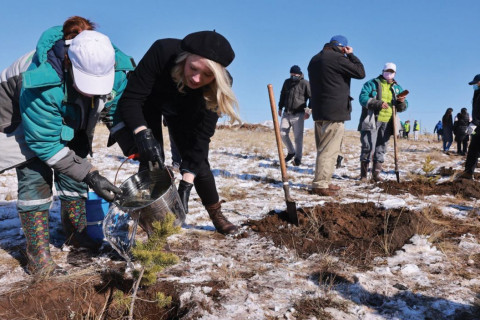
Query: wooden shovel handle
x=277 y=132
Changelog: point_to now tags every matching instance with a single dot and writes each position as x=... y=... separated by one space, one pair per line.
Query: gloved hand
x=184 y=189
x=149 y=148
x=101 y=186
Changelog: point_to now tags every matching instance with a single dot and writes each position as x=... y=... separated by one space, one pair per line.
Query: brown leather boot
x=363 y=171
x=377 y=168
x=35 y=228
x=219 y=221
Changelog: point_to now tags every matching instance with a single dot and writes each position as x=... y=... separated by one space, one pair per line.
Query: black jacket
x=294 y=95
x=476 y=108
x=460 y=125
x=329 y=73
x=151 y=93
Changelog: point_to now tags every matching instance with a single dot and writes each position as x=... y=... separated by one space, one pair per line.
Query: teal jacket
x=371 y=102
x=53 y=111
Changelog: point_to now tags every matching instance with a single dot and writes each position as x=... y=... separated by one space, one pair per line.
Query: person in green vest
x=416 y=130
x=378 y=97
x=406 y=129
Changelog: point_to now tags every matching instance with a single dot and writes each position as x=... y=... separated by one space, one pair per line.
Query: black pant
x=462 y=144
x=473 y=153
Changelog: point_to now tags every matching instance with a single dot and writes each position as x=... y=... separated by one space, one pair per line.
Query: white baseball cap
x=390 y=66
x=93 y=62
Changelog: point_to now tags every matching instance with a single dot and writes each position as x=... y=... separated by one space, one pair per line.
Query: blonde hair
x=219 y=96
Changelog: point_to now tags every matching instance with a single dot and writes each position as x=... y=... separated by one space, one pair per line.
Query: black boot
x=289 y=157
x=363 y=170
x=339 y=161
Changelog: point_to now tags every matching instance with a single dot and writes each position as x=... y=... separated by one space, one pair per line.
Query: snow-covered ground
x=263 y=281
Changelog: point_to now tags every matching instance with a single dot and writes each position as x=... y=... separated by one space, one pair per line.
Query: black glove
x=149 y=148
x=101 y=186
x=184 y=189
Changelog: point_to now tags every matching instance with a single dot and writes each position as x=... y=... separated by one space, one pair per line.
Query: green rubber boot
x=74 y=222
x=35 y=228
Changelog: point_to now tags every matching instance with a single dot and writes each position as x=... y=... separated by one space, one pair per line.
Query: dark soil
x=85 y=297
x=356 y=232
x=96 y=296
x=464 y=188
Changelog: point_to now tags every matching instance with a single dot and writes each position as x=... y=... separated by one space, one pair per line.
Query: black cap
x=475 y=79
x=295 y=69
x=210 y=45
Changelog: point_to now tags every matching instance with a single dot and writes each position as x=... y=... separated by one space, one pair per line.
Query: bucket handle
x=136 y=156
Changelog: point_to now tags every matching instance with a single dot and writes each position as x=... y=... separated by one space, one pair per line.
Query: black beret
x=210 y=45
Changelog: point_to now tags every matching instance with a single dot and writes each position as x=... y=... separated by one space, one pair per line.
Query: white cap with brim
x=93 y=62
x=390 y=66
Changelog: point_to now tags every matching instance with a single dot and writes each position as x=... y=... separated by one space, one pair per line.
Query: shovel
x=291 y=206
x=395 y=147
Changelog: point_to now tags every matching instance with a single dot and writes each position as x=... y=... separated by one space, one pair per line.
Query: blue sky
x=433 y=43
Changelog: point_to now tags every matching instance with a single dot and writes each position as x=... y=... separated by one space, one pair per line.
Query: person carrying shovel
x=185 y=81
x=378 y=97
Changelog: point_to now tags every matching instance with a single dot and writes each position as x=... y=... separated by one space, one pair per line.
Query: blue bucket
x=97 y=209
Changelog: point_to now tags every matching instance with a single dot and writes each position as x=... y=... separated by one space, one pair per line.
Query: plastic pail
x=96 y=208
x=148 y=196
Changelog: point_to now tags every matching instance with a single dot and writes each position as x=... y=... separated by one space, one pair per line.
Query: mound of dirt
x=464 y=188
x=356 y=232
x=92 y=296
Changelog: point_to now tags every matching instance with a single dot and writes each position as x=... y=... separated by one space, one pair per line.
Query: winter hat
x=475 y=79
x=390 y=66
x=93 y=62
x=210 y=45
x=339 y=40
x=295 y=69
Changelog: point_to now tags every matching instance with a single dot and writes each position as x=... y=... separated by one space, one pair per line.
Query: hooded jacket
x=329 y=73
x=371 y=101
x=151 y=93
x=294 y=95
x=53 y=112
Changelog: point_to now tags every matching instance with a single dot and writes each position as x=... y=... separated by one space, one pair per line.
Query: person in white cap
x=63 y=86
x=377 y=98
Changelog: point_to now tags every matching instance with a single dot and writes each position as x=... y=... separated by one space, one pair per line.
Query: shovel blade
x=292 y=212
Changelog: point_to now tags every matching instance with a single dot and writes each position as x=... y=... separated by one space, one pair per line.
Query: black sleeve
x=141 y=82
x=281 y=102
x=352 y=66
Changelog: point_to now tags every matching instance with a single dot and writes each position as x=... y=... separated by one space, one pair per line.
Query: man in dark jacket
x=474 y=148
x=293 y=98
x=330 y=72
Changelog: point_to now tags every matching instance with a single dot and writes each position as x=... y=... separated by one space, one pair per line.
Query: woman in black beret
x=186 y=82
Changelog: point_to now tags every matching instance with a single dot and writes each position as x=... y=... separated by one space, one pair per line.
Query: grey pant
x=374 y=142
x=296 y=122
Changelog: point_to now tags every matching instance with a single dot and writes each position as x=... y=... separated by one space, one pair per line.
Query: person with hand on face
x=474 y=148
x=293 y=101
x=63 y=86
x=330 y=73
x=378 y=97
x=185 y=81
